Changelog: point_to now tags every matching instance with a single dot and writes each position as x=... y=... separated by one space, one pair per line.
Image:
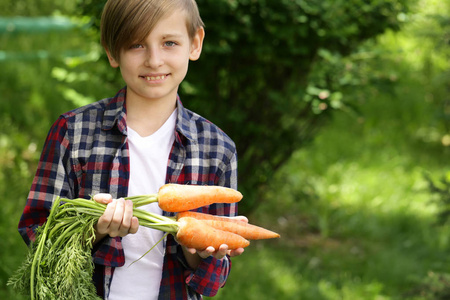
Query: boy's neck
x=146 y=117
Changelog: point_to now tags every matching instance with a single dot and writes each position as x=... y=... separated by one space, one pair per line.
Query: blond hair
x=127 y=21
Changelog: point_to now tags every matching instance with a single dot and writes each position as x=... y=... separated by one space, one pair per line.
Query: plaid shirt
x=86 y=152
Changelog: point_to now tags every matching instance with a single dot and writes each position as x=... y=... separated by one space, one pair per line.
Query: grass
x=355 y=216
x=368 y=233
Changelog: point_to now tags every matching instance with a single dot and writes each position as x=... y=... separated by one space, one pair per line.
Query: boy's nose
x=154 y=58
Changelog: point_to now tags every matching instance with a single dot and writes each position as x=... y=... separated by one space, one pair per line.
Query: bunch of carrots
x=59 y=262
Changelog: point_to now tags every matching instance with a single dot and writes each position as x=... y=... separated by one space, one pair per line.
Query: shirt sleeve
x=52 y=179
x=210 y=275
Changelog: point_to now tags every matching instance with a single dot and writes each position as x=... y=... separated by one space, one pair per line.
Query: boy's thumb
x=103 y=198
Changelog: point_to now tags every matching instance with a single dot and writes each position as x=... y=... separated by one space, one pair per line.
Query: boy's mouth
x=155 y=77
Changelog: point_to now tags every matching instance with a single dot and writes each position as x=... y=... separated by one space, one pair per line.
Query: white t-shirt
x=148 y=165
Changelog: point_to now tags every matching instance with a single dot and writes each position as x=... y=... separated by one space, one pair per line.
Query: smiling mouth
x=155 y=78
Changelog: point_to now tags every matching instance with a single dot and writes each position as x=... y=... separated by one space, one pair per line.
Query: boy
x=132 y=144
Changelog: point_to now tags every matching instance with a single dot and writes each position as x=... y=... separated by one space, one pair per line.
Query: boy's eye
x=136 y=46
x=170 y=44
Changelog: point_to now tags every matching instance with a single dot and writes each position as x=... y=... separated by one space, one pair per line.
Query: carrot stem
x=164 y=236
x=143 y=199
x=37 y=258
x=147 y=219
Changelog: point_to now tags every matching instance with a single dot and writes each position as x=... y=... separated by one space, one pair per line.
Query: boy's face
x=154 y=68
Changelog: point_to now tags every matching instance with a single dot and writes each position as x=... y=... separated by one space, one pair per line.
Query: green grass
x=355 y=215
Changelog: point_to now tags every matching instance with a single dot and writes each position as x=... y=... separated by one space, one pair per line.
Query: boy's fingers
x=118 y=219
x=236 y=252
x=105 y=220
x=134 y=225
x=207 y=252
x=127 y=217
x=103 y=198
x=115 y=227
x=241 y=218
x=223 y=250
x=192 y=250
x=219 y=254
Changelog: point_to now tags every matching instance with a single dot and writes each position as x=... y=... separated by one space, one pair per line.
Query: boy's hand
x=219 y=254
x=191 y=253
x=117 y=220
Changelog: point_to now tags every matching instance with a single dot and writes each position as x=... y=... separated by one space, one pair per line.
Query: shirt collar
x=184 y=123
x=115 y=113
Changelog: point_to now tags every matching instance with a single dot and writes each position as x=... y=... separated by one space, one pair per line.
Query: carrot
x=194 y=234
x=247 y=231
x=202 y=216
x=179 y=197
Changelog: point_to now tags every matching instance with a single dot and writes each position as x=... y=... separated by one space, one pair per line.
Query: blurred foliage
x=275 y=68
x=30 y=102
x=435 y=286
x=348 y=205
x=36 y=7
x=441 y=192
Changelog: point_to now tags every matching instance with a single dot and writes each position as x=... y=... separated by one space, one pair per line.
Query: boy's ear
x=197 y=44
x=112 y=61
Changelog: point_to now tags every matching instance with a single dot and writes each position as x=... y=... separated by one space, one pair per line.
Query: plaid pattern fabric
x=86 y=153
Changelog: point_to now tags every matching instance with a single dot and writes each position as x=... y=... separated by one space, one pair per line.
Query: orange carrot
x=179 y=197
x=247 y=231
x=194 y=234
x=202 y=216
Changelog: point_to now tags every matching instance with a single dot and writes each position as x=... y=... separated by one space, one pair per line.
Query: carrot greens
x=59 y=263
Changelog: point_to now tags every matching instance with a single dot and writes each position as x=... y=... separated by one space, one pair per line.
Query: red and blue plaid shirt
x=86 y=152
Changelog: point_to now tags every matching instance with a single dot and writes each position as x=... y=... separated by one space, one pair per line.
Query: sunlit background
x=343 y=130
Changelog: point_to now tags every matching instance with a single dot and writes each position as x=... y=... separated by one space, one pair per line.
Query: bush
x=270 y=71
x=435 y=286
x=441 y=197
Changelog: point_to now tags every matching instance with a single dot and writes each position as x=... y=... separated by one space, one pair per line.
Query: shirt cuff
x=210 y=275
x=109 y=252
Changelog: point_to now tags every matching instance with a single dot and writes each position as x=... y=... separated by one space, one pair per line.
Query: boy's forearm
x=193 y=260
x=98 y=237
